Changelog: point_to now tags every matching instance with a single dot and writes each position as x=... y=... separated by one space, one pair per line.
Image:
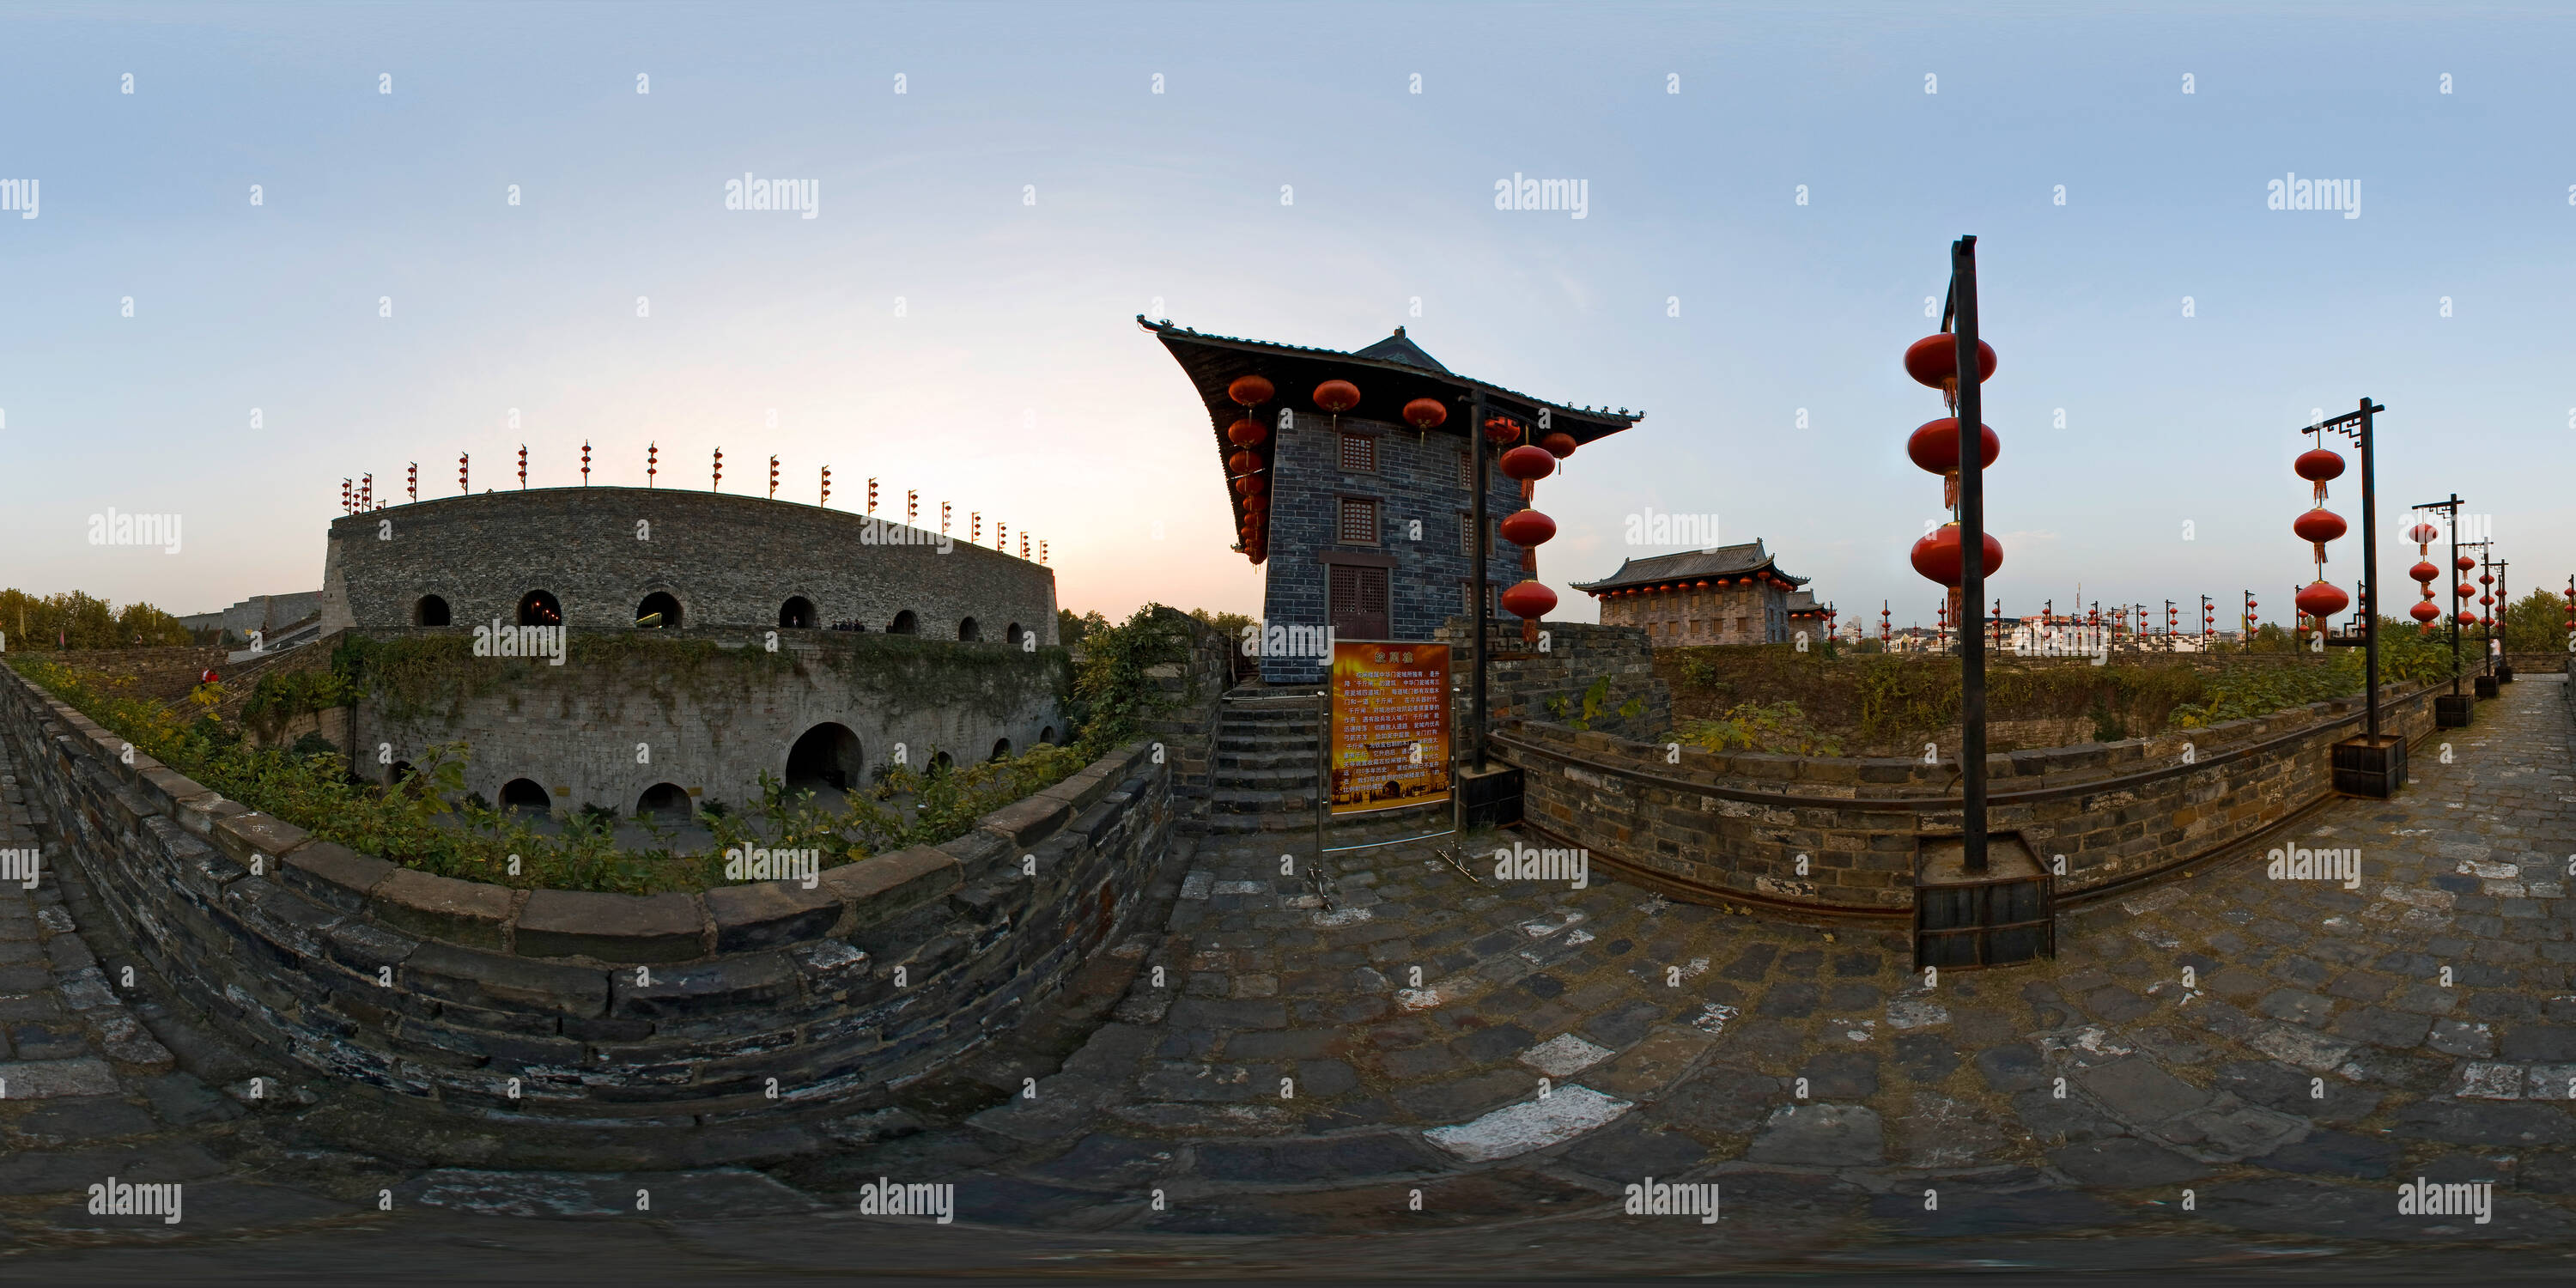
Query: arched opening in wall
x=827 y=755
x=524 y=794
x=660 y=610
x=1047 y=735
x=968 y=630
x=904 y=623
x=538 y=608
x=1011 y=634
x=942 y=763
x=797 y=614
x=667 y=802
x=430 y=611
x=399 y=777
x=1002 y=749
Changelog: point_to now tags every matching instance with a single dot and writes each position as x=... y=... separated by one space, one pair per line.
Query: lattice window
x=1359 y=454
x=1359 y=522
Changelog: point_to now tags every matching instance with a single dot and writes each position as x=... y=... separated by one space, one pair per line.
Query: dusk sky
x=1014 y=381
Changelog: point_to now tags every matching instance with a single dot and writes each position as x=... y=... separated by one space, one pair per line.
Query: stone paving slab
x=2290 y=1050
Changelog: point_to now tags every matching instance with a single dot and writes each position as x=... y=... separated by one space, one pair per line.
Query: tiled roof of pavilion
x=1389 y=374
x=1724 y=561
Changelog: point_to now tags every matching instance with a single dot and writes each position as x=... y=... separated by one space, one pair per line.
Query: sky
x=1772 y=191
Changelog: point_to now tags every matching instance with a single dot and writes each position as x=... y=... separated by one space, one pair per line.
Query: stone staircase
x=1264 y=778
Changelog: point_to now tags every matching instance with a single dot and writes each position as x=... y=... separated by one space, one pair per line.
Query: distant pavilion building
x=1361 y=518
x=1729 y=595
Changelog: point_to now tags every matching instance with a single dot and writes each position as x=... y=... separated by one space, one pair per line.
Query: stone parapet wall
x=728 y=560
x=1712 y=826
x=556 y=1006
x=1522 y=680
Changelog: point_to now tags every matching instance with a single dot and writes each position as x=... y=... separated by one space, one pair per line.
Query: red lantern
x=1529 y=599
x=1247 y=432
x=2319 y=526
x=1251 y=485
x=1500 y=430
x=1559 y=444
x=1426 y=413
x=1935 y=446
x=2485 y=580
x=2422 y=534
x=1934 y=360
x=2318 y=464
x=1251 y=391
x=1528 y=528
x=2424 y=612
x=2323 y=599
x=2468 y=619
x=1337 y=396
x=1242 y=463
x=2467 y=590
x=1938 y=555
x=1528 y=463
x=2464 y=563
x=2425 y=572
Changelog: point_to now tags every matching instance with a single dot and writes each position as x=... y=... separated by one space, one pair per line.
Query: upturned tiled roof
x=1724 y=561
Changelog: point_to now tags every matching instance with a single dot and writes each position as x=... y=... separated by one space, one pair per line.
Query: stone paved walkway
x=2277 y=1054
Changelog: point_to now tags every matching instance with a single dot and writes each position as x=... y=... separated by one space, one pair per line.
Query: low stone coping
x=1905 y=782
x=571 y=925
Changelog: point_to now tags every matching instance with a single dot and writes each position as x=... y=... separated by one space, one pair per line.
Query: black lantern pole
x=1476 y=593
x=2494 y=589
x=1972 y=557
x=2451 y=571
x=2357 y=424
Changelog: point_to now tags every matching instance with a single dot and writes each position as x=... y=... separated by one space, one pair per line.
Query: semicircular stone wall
x=1709 y=827
x=763 y=1003
x=601 y=552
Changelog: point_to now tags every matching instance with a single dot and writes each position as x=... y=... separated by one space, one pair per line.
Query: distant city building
x=1729 y=595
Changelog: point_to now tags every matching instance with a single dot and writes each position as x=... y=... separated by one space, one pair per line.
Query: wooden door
x=1358 y=609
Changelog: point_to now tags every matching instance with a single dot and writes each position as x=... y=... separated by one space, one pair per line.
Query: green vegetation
x=1780 y=727
x=78 y=621
x=1866 y=702
x=2535 y=623
x=430 y=823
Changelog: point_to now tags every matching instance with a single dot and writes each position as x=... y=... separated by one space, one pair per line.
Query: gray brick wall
x=574 y=728
x=1417 y=480
x=441 y=994
x=729 y=560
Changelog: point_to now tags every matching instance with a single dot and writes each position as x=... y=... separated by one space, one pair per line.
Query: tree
x=1229 y=625
x=1070 y=630
x=78 y=620
x=2535 y=623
